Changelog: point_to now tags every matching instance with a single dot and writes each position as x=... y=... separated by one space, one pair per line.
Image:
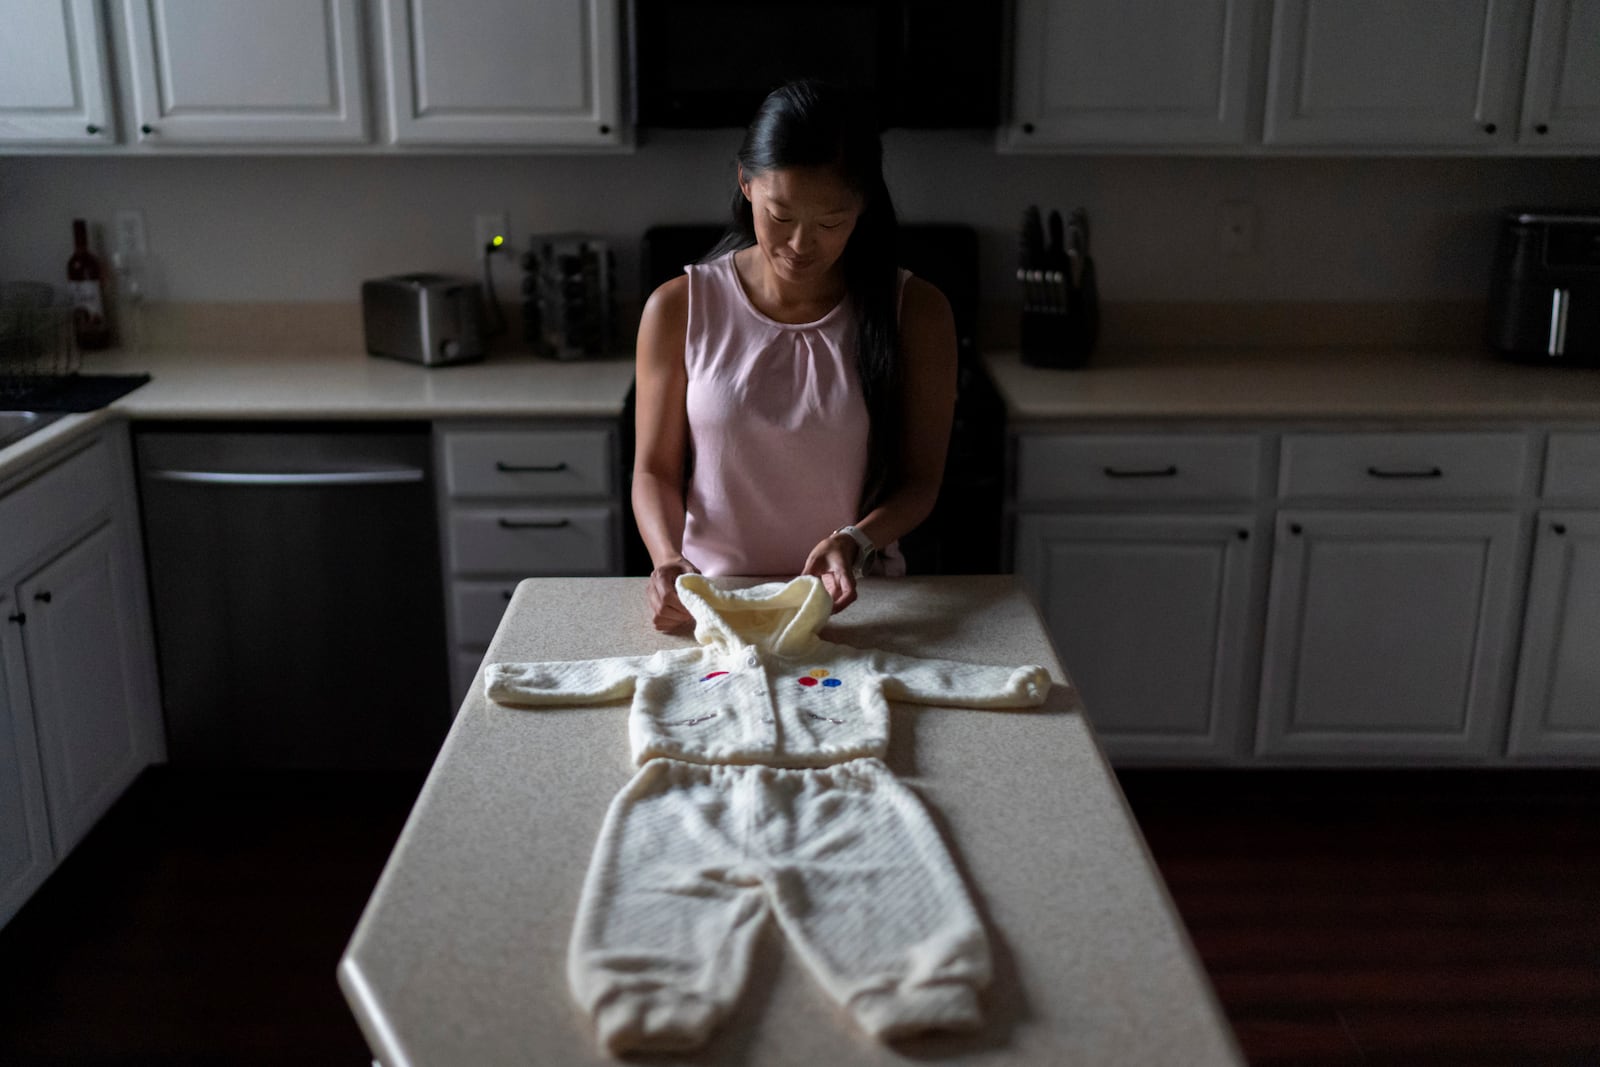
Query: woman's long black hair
x=810 y=123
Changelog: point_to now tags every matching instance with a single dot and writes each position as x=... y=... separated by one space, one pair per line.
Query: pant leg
x=864 y=887
x=661 y=944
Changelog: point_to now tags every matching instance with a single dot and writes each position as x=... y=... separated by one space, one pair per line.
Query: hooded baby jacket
x=760 y=686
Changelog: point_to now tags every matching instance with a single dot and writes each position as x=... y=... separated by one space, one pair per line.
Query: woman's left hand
x=834 y=561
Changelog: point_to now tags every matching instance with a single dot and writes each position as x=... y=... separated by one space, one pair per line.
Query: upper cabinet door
x=1561 y=103
x=246 y=72
x=1130 y=72
x=1401 y=73
x=54 y=85
x=503 y=72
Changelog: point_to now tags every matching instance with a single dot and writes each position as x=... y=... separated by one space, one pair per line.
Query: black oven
x=709 y=63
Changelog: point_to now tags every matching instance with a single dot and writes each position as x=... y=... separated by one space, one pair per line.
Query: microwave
x=702 y=64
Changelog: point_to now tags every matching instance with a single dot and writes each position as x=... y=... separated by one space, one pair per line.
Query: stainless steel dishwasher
x=295 y=582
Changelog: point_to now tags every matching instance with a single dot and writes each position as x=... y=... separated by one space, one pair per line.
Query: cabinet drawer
x=1572 y=467
x=479 y=609
x=530 y=541
x=65 y=497
x=1404 y=466
x=1137 y=467
x=528 y=463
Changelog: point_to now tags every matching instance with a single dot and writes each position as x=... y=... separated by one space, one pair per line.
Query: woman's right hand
x=667 y=611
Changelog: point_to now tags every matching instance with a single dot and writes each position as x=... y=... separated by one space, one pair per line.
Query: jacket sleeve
x=956 y=684
x=564 y=682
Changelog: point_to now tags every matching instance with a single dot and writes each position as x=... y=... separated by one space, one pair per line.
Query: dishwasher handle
x=382 y=476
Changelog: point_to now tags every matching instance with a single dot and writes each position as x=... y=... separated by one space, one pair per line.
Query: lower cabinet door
x=1556 y=710
x=1151 y=615
x=25 y=855
x=1388 y=634
x=86 y=704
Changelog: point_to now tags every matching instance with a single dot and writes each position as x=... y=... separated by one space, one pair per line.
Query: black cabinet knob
x=19 y=618
x=1296 y=529
x=147 y=129
x=1027 y=127
x=1542 y=128
x=604 y=129
x=1489 y=127
x=42 y=597
x=92 y=128
x=1244 y=535
x=1560 y=528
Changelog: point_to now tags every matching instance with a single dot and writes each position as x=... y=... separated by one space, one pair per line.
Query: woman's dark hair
x=811 y=123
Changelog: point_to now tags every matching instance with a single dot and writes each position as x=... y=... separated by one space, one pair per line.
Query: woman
x=795 y=389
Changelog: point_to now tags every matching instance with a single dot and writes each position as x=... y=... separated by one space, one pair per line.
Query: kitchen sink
x=15 y=425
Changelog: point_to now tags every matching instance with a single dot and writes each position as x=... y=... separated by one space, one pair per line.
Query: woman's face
x=804 y=217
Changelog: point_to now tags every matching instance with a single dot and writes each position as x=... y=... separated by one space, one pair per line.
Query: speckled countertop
x=1271 y=383
x=460 y=954
x=340 y=384
x=1399 y=385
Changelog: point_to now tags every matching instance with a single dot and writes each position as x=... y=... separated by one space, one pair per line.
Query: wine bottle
x=86 y=282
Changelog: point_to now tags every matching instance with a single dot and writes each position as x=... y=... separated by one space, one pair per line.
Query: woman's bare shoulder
x=923 y=307
x=670 y=300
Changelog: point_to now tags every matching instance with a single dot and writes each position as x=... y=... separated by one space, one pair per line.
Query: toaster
x=432 y=319
x=1544 y=297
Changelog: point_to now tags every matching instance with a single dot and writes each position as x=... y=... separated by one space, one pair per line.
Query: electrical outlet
x=130 y=233
x=1236 y=228
x=487 y=227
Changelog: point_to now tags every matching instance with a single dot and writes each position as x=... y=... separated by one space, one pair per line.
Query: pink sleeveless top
x=778 y=428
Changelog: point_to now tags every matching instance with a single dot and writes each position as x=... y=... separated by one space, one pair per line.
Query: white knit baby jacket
x=760 y=685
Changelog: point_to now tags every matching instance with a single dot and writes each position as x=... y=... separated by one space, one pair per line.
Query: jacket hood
x=781 y=617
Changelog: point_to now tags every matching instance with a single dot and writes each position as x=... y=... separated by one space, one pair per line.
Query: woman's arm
x=928 y=384
x=661 y=431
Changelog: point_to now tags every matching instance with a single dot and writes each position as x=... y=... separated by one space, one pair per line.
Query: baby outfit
x=762 y=789
x=778 y=429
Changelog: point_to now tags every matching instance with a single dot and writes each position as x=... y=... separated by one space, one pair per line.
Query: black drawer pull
x=1163 y=472
x=43 y=598
x=1431 y=472
x=534 y=524
x=529 y=468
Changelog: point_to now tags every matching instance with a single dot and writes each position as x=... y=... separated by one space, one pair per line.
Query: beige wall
x=308 y=228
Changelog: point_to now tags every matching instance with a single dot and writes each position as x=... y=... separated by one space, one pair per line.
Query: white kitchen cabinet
x=520 y=500
x=1141 y=550
x=1405 y=73
x=79 y=706
x=1152 y=615
x=1388 y=634
x=241 y=72
x=55 y=83
x=85 y=675
x=1561 y=98
x=504 y=72
x=26 y=856
x=1556 y=709
x=1121 y=73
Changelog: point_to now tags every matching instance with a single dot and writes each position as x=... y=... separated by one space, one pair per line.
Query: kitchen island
x=460 y=956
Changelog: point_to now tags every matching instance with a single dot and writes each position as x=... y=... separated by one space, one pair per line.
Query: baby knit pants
x=692 y=858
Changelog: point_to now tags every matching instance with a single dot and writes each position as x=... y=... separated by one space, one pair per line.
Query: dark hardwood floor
x=1421 y=917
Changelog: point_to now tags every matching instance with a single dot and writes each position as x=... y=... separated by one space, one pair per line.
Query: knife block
x=1061 y=334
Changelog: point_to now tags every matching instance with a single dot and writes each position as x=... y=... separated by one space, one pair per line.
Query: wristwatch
x=864 y=543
